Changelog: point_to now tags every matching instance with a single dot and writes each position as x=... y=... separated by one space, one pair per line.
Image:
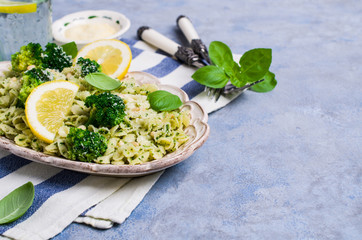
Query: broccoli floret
x=88 y=66
x=84 y=145
x=55 y=58
x=107 y=109
x=28 y=55
x=31 y=79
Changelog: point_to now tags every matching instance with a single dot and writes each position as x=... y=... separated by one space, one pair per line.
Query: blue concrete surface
x=279 y=165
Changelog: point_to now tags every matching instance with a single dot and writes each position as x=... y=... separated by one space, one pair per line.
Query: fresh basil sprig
x=70 y=49
x=102 y=81
x=162 y=100
x=253 y=66
x=16 y=203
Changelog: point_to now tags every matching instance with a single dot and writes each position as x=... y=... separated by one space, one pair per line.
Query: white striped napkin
x=63 y=196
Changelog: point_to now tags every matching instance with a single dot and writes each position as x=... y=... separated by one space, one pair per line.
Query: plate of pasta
x=144 y=142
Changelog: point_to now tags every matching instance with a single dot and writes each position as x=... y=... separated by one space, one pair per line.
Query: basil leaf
x=238 y=80
x=162 y=100
x=220 y=54
x=255 y=63
x=211 y=76
x=102 y=81
x=233 y=69
x=70 y=49
x=16 y=203
x=267 y=85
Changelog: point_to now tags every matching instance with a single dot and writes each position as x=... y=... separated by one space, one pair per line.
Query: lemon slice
x=47 y=106
x=17 y=7
x=113 y=55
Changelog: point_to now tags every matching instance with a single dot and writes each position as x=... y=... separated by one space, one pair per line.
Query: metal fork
x=187 y=56
x=188 y=29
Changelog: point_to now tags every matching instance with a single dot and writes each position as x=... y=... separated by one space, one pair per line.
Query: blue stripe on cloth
x=11 y=163
x=135 y=52
x=159 y=51
x=58 y=183
x=130 y=42
x=166 y=66
x=193 y=88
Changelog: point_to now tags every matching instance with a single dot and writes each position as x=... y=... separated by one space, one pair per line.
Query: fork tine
x=213 y=93
x=208 y=91
x=218 y=94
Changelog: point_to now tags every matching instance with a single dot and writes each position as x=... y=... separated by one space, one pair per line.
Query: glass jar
x=22 y=23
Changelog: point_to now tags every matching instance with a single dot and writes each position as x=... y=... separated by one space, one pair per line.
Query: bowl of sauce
x=87 y=26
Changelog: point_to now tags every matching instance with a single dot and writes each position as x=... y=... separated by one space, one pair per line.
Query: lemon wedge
x=113 y=55
x=17 y=7
x=46 y=107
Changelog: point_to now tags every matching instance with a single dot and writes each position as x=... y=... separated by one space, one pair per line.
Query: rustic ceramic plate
x=198 y=132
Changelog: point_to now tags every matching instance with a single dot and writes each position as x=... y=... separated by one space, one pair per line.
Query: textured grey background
x=279 y=165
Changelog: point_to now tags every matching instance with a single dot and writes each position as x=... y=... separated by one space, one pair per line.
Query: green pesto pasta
x=143 y=135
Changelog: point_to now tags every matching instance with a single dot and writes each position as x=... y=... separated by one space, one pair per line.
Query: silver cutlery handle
x=184 y=54
x=192 y=37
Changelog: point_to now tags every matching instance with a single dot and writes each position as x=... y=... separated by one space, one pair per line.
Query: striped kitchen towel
x=64 y=196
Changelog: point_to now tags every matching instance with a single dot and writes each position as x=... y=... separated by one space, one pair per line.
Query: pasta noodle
x=143 y=135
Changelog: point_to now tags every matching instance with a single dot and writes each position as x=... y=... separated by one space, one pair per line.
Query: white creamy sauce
x=89 y=31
